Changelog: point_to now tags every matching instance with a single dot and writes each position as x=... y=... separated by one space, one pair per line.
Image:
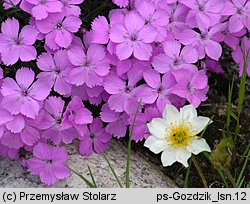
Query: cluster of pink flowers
x=157 y=51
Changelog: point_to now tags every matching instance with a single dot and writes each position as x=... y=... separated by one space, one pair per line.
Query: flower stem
x=200 y=171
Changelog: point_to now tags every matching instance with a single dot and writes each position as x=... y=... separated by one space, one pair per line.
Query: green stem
x=230 y=177
x=200 y=171
x=187 y=174
x=129 y=145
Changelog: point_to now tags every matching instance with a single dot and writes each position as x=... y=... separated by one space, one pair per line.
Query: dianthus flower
x=133 y=37
x=15 y=45
x=94 y=139
x=23 y=96
x=58 y=30
x=49 y=163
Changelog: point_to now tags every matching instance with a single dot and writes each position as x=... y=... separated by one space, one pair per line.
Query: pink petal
x=142 y=51
x=63 y=38
x=124 y=50
x=40 y=89
x=152 y=78
x=172 y=49
x=213 y=50
x=100 y=29
x=10 y=27
x=30 y=135
x=114 y=84
x=72 y=23
x=28 y=35
x=27 y=53
x=16 y=125
x=25 y=77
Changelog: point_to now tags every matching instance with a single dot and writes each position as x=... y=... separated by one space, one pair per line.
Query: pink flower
x=41 y=8
x=49 y=163
x=175 y=58
x=159 y=90
x=23 y=96
x=204 y=13
x=203 y=41
x=133 y=37
x=90 y=68
x=239 y=12
x=95 y=138
x=192 y=85
x=15 y=45
x=58 y=30
x=123 y=96
x=154 y=17
x=50 y=119
x=76 y=115
x=70 y=8
x=117 y=122
x=55 y=68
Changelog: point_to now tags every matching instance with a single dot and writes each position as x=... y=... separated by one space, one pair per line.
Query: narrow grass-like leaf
x=92 y=176
x=243 y=169
x=241 y=183
x=83 y=178
x=187 y=174
x=243 y=156
x=229 y=102
x=129 y=146
x=110 y=166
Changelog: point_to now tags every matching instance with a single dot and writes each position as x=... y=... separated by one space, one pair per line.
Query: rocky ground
x=143 y=173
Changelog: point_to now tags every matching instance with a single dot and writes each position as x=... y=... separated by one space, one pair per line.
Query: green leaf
x=83 y=178
x=110 y=166
x=243 y=169
x=92 y=177
x=129 y=145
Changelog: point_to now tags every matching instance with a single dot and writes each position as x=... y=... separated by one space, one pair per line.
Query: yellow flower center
x=179 y=134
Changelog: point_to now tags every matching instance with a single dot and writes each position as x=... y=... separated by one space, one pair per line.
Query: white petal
x=198 y=145
x=171 y=113
x=157 y=127
x=182 y=156
x=199 y=123
x=168 y=157
x=188 y=113
x=155 y=144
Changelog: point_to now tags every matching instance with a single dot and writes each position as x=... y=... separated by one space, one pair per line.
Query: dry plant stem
x=199 y=171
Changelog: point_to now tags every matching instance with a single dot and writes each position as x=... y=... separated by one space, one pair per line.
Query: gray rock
x=142 y=173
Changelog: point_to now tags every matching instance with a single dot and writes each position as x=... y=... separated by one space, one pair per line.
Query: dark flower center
x=59 y=121
x=160 y=89
x=59 y=26
x=25 y=93
x=239 y=11
x=133 y=38
x=92 y=135
x=128 y=89
x=18 y=41
x=58 y=71
x=49 y=161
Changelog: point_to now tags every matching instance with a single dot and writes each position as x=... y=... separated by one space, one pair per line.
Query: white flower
x=175 y=135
